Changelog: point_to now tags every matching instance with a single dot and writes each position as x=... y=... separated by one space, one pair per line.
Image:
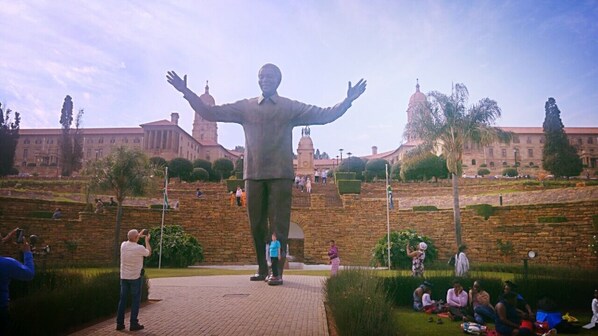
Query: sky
x=111 y=57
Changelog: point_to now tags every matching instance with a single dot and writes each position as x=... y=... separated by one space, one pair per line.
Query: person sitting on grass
x=456 y=299
x=418 y=294
x=524 y=309
x=431 y=306
x=480 y=301
x=508 y=319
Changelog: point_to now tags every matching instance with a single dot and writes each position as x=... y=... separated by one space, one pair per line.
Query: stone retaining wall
x=87 y=238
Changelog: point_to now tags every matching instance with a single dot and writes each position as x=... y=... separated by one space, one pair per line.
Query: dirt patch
x=330 y=319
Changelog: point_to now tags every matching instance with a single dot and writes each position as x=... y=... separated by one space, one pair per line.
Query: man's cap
x=428 y=284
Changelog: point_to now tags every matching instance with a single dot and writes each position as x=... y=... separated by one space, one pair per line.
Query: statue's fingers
x=185 y=80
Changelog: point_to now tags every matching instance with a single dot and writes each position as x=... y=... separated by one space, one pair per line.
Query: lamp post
x=341 y=151
x=349 y=154
x=515 y=156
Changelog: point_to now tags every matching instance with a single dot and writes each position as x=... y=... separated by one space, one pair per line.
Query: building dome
x=306 y=143
x=206 y=98
x=417 y=97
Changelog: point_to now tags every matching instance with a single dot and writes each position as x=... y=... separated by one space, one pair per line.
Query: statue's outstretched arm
x=353 y=92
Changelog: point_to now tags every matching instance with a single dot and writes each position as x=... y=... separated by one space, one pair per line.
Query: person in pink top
x=457 y=299
x=335 y=261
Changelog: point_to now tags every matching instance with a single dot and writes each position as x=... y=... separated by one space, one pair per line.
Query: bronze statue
x=268 y=122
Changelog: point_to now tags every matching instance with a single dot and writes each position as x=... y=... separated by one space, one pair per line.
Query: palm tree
x=125 y=172
x=446 y=123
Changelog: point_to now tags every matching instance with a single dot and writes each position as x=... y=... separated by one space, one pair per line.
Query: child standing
x=594 y=321
x=274 y=254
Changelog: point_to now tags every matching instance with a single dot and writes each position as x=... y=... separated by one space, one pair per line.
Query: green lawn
x=413 y=323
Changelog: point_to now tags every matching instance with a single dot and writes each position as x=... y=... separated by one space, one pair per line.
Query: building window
x=491 y=152
x=26 y=142
x=541 y=140
x=473 y=162
x=89 y=141
x=580 y=141
x=531 y=164
x=136 y=140
x=529 y=139
x=491 y=163
x=590 y=140
x=530 y=153
x=101 y=140
x=25 y=153
x=515 y=139
x=38 y=141
x=112 y=140
x=503 y=152
x=504 y=163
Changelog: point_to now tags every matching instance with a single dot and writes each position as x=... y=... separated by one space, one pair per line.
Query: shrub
x=483 y=171
x=348 y=186
x=353 y=164
x=57 y=301
x=510 y=172
x=483 y=210
x=504 y=248
x=398 y=254
x=223 y=168
x=483 y=165
x=231 y=184
x=200 y=174
x=41 y=214
x=344 y=175
x=552 y=219
x=158 y=206
x=425 y=208
x=180 y=167
x=179 y=249
x=359 y=304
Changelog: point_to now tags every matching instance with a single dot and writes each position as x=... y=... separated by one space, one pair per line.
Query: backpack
x=452 y=260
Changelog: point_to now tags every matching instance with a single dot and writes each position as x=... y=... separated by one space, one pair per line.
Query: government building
x=38 y=149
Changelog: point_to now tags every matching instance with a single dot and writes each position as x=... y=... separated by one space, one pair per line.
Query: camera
x=20 y=236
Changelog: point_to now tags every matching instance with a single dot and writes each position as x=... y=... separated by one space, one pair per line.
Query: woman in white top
x=461 y=262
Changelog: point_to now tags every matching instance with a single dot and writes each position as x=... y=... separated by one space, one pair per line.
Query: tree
x=199 y=174
x=510 y=172
x=9 y=136
x=398 y=255
x=223 y=168
x=181 y=168
x=158 y=162
x=376 y=168
x=559 y=157
x=395 y=172
x=179 y=249
x=71 y=144
x=423 y=167
x=205 y=164
x=483 y=171
x=239 y=167
x=125 y=172
x=353 y=164
x=446 y=123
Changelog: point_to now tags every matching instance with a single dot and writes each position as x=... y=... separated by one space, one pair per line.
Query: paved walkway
x=228 y=305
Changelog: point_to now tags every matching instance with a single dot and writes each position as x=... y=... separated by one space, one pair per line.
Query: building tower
x=305 y=153
x=206 y=132
x=417 y=104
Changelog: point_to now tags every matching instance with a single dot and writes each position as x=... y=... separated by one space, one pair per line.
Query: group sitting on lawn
x=512 y=315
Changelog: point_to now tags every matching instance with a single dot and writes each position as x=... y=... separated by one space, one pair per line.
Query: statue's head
x=269 y=78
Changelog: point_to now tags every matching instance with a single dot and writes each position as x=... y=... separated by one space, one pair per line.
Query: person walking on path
x=308 y=185
x=12 y=269
x=335 y=261
x=268 y=122
x=594 y=321
x=461 y=262
x=417 y=258
x=131 y=277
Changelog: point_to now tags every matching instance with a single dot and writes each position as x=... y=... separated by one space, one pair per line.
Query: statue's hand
x=176 y=81
x=353 y=92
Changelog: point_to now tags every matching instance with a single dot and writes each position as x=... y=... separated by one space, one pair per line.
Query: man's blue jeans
x=132 y=287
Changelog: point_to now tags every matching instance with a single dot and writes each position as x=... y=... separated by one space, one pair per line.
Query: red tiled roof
x=85 y=131
x=539 y=130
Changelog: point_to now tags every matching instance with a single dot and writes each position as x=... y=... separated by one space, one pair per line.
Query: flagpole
x=387 y=216
x=164 y=205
